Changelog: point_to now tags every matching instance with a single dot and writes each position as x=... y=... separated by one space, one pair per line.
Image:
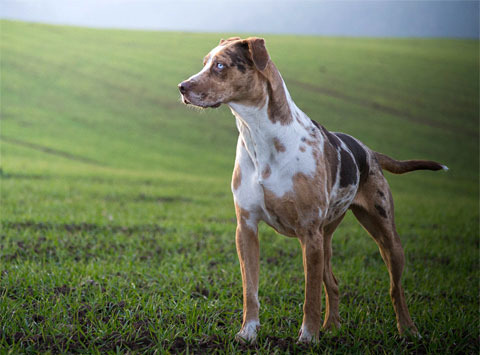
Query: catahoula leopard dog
x=300 y=179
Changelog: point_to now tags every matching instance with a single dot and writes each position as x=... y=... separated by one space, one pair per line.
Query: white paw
x=305 y=337
x=248 y=333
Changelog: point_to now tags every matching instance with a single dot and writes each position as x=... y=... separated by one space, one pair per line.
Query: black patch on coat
x=348 y=171
x=240 y=57
x=381 y=211
x=331 y=137
x=316 y=123
x=358 y=152
x=381 y=194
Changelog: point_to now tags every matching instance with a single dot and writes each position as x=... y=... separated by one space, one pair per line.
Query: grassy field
x=117 y=221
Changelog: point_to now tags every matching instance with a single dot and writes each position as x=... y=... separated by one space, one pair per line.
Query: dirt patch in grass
x=85 y=227
x=62 y=290
x=145 y=198
x=23 y=176
x=71 y=246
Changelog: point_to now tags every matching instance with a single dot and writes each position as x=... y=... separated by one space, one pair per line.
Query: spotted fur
x=299 y=178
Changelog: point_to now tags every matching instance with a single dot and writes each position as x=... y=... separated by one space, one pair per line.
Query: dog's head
x=232 y=72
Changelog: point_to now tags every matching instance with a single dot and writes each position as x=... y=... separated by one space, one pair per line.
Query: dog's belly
x=340 y=201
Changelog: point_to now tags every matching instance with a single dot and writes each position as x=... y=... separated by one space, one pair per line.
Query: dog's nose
x=184 y=86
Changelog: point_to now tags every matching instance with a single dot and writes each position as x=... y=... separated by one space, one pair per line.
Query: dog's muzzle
x=185 y=87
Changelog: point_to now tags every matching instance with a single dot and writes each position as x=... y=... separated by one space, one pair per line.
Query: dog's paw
x=248 y=333
x=306 y=337
x=331 y=324
x=409 y=331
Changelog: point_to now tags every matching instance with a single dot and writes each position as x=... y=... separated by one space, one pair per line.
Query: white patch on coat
x=305 y=335
x=258 y=133
x=320 y=213
x=248 y=195
x=208 y=64
x=249 y=331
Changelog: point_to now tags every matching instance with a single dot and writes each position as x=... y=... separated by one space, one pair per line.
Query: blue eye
x=220 y=66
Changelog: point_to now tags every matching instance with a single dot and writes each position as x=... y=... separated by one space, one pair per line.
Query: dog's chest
x=308 y=204
x=300 y=207
x=294 y=194
x=288 y=193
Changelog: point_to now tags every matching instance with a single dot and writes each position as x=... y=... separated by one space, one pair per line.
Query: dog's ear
x=259 y=52
x=223 y=41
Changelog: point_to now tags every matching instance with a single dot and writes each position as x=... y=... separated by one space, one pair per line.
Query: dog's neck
x=267 y=138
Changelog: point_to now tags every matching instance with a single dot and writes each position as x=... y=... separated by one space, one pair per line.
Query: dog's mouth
x=186 y=101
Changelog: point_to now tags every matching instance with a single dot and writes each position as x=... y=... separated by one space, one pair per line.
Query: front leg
x=248 y=255
x=312 y=249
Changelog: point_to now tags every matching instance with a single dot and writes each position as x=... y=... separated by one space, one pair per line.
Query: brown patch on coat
x=259 y=52
x=278 y=145
x=266 y=172
x=237 y=177
x=296 y=212
x=282 y=209
x=278 y=108
x=302 y=148
x=242 y=215
x=331 y=156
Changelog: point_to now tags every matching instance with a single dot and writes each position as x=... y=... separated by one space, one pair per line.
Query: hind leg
x=330 y=283
x=373 y=207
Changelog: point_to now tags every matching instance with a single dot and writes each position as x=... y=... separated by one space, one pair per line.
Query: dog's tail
x=405 y=166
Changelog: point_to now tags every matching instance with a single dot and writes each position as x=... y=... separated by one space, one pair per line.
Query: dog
x=300 y=179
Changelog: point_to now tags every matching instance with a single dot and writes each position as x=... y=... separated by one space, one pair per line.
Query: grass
x=117 y=221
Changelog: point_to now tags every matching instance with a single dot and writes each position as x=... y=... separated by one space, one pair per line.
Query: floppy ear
x=223 y=41
x=258 y=51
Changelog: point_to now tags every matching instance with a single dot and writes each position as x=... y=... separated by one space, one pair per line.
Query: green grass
x=117 y=221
